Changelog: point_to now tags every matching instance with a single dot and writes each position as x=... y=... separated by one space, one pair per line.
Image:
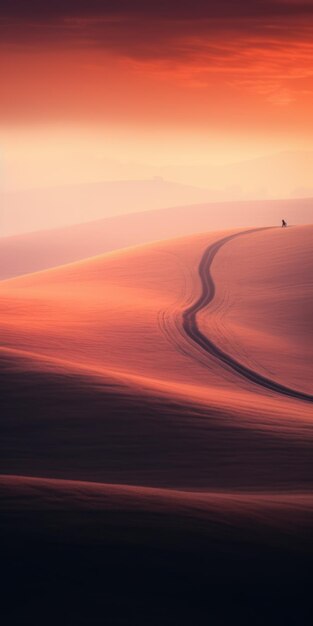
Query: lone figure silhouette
x=283 y=224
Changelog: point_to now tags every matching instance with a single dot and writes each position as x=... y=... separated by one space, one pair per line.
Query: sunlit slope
x=122 y=312
x=262 y=310
x=105 y=313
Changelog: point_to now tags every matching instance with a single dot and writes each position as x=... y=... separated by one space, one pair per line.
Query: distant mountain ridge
x=282 y=175
x=25 y=253
x=38 y=209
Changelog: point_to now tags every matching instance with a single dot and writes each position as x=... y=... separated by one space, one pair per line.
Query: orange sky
x=231 y=73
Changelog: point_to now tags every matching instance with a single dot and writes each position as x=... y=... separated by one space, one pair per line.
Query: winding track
x=194 y=333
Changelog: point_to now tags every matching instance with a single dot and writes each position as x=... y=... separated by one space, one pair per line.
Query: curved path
x=194 y=333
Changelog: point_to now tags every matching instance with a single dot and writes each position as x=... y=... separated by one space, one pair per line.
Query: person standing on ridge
x=283 y=223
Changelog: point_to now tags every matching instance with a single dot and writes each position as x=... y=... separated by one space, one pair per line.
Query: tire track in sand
x=193 y=332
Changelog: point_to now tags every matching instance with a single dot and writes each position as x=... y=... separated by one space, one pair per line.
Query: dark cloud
x=255 y=46
x=171 y=9
x=153 y=28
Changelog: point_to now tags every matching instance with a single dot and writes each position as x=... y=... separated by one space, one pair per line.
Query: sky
x=88 y=82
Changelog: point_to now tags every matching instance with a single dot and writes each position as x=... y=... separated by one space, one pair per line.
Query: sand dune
x=116 y=322
x=30 y=252
x=128 y=437
x=135 y=556
x=244 y=511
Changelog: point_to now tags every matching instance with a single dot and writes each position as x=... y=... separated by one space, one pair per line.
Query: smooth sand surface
x=127 y=442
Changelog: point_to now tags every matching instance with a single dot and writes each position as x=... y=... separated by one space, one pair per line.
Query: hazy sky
x=151 y=82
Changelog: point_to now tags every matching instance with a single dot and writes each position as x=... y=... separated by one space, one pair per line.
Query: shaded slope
x=85 y=554
x=58 y=423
